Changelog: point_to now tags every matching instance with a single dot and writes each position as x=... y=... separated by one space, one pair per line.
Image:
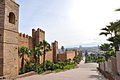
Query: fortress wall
x=25 y=40
x=70 y=54
x=67 y=55
x=61 y=56
x=38 y=35
x=49 y=56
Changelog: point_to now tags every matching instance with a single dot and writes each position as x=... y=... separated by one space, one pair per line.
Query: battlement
x=38 y=30
x=24 y=35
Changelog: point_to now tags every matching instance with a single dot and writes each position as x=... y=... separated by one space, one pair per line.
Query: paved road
x=87 y=71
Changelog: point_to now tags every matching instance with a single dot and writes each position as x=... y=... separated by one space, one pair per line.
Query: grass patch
x=58 y=70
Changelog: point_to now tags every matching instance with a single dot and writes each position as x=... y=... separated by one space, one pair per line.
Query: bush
x=59 y=66
x=55 y=66
x=29 y=66
x=49 y=65
x=58 y=70
x=69 y=66
x=39 y=69
x=77 y=58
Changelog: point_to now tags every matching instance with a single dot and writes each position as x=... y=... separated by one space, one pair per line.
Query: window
x=12 y=18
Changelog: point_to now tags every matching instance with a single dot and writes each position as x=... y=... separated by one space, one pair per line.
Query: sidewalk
x=87 y=71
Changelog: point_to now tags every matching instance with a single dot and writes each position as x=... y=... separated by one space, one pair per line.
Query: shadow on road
x=98 y=77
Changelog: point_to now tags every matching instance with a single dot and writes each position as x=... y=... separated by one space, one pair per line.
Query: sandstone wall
x=25 y=40
x=67 y=55
x=38 y=35
x=49 y=56
x=70 y=54
x=9 y=39
x=62 y=56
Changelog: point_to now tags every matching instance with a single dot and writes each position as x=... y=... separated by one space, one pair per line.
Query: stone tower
x=38 y=35
x=9 y=13
x=55 y=51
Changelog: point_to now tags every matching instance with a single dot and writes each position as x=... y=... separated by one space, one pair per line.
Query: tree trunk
x=116 y=48
x=35 y=58
x=22 y=64
x=44 y=65
x=38 y=59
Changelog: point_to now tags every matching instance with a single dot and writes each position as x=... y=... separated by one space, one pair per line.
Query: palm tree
x=105 y=47
x=22 y=51
x=36 y=53
x=117 y=10
x=46 y=47
x=112 y=30
x=116 y=41
x=107 y=31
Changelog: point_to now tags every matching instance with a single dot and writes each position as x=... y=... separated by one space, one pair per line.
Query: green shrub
x=77 y=58
x=61 y=63
x=58 y=70
x=59 y=66
x=29 y=66
x=39 y=69
x=55 y=66
x=49 y=65
x=69 y=66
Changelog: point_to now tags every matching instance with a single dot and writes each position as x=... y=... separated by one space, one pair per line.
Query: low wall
x=114 y=65
x=118 y=61
x=102 y=66
x=108 y=66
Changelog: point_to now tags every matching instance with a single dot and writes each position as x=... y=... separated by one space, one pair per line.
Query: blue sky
x=70 y=22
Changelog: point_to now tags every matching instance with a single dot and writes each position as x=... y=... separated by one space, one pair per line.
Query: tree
x=22 y=51
x=46 y=47
x=117 y=10
x=62 y=48
x=112 y=30
x=36 y=53
x=115 y=41
x=105 y=47
x=107 y=31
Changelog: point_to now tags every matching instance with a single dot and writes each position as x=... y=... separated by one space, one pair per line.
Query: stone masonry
x=9 y=15
x=11 y=39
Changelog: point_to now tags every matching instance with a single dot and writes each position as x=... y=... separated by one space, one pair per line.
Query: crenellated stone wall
x=31 y=41
x=37 y=36
x=25 y=40
x=67 y=55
